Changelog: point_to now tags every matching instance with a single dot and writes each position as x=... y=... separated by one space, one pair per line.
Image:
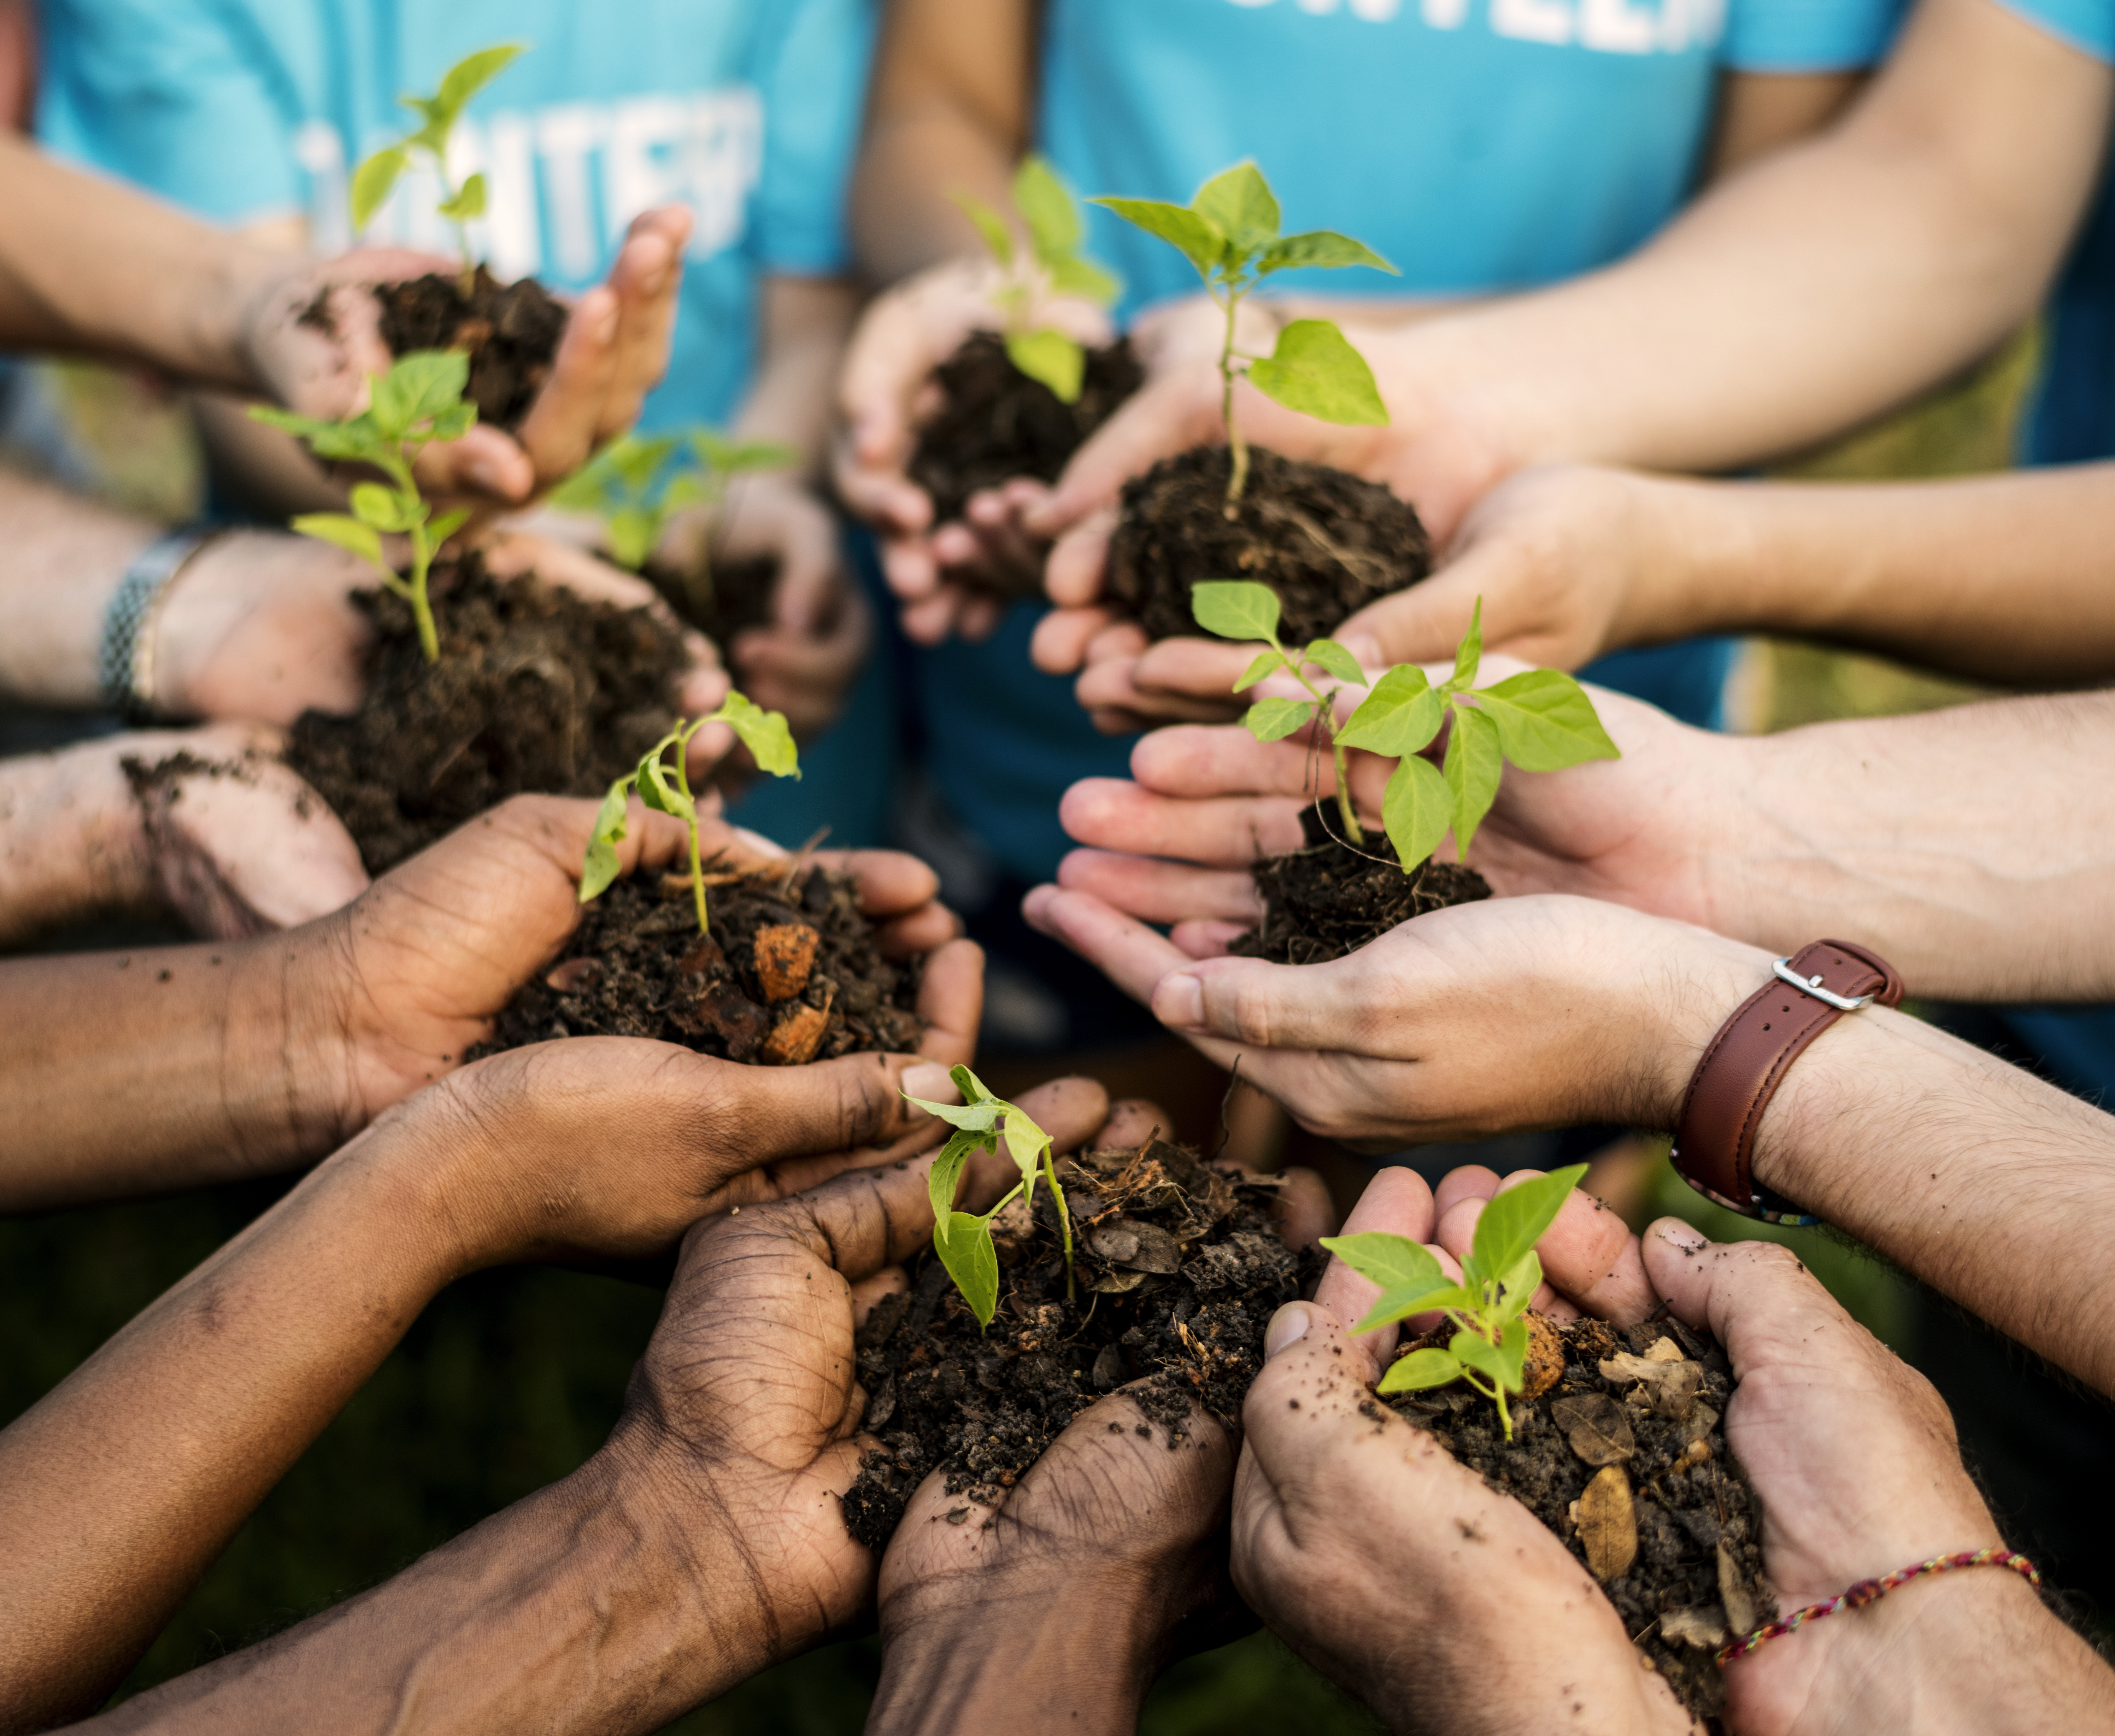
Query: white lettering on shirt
x=1617 y=27
x=1532 y=21
x=1601 y=26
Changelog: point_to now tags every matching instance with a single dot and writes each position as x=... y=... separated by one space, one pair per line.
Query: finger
x=1457 y=1236
x=979 y=617
x=868 y=1293
x=1154 y=423
x=1208 y=940
x=1227 y=761
x=1132 y=955
x=1306 y=1007
x=485 y=462
x=1059 y=644
x=1396 y=1203
x=1590 y=1257
x=1155 y=891
x=1070 y=1110
x=1424 y=622
x=863 y=1221
x=1110 y=684
x=559 y=432
x=1471 y=1182
x=648 y=277
x=1305 y=1212
x=951 y=1001
x=929 y=621
x=1755 y=1297
x=1200 y=670
x=1132 y=1121
x=889 y=882
x=1075 y=571
x=1223 y=832
x=812 y=587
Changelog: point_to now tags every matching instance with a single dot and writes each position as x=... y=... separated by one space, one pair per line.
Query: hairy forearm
x=66 y=556
x=1974 y=848
x=122 y=1486
x=87 y=264
x=1819 y=289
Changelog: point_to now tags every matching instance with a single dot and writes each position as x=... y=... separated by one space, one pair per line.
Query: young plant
x=1230 y=232
x=419 y=401
x=1052 y=264
x=1489 y=1348
x=638 y=482
x=664 y=786
x=374 y=179
x=1539 y=719
x=962 y=1239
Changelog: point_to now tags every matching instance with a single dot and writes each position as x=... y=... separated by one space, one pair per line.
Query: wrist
x=1697 y=569
x=1682 y=1009
x=72 y=841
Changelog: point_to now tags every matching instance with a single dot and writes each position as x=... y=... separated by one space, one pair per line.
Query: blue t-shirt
x=1480 y=146
x=746 y=111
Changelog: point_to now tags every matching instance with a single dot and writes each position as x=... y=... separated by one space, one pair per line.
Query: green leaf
x=1054 y=229
x=347 y=533
x=1518 y=1287
x=1399 y=1304
x=452 y=424
x=1273 y=719
x=601 y=866
x=965 y=1250
x=973 y=1089
x=1074 y=276
x=471 y=74
x=1545 y=722
x=1472 y=1350
x=1051 y=357
x=1315 y=371
x=658 y=789
x=946 y=1174
x=637 y=459
x=1024 y=1142
x=373 y=182
x=1416 y=809
x=1319 y=247
x=1472 y=770
x=1267 y=663
x=1513 y=1221
x=1419 y=1370
x=1239 y=203
x=1393 y=1262
x=385 y=508
x=1469 y=654
x=1199 y=241
x=417 y=388
x=738 y=456
x=991 y=225
x=446 y=526
x=1235 y=609
x=764 y=734
x=1328 y=654
x=354 y=438
x=1400 y=716
x=632 y=532
x=302 y=427
x=975 y=1118
x=469 y=201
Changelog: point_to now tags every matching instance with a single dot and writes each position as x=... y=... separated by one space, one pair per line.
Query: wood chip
x=794 y=1039
x=1733 y=1591
x=1609 y=1523
x=1598 y=1428
x=1664 y=1350
x=1545 y=1356
x=785 y=956
x=1703 y=1628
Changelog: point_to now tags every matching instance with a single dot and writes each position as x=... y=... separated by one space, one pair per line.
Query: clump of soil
x=1179 y=1267
x=537 y=689
x=995 y=423
x=789 y=974
x=741 y=596
x=1329 y=899
x=1621 y=1453
x=1327 y=542
x=511 y=330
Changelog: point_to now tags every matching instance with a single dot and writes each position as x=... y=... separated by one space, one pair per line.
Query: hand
x=884 y=392
x=614 y=349
x=1104 y=1560
x=804 y=662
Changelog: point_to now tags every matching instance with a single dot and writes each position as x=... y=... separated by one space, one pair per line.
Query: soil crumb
x=1327 y=542
x=512 y=331
x=789 y=974
x=537 y=690
x=1329 y=899
x=738 y=596
x=1179 y=1268
x=995 y=423
x=1623 y=1456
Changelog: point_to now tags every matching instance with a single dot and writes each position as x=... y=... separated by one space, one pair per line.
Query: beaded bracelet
x=1870 y=1590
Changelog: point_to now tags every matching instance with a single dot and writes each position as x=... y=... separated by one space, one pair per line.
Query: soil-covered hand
x=885 y=391
x=804 y=661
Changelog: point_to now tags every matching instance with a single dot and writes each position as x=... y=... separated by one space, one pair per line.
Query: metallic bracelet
x=127 y=653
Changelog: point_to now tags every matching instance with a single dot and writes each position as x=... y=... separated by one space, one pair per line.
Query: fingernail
x=1675 y=1233
x=1288 y=1327
x=930 y=1080
x=1179 y=1002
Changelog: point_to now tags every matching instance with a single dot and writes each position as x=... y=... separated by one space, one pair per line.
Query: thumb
x=1425 y=622
x=1266 y=1006
x=854 y=1104
x=1756 y=1298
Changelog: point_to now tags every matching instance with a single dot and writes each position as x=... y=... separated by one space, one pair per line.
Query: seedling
x=1539 y=719
x=962 y=1239
x=419 y=401
x=638 y=482
x=373 y=180
x=664 y=785
x=1230 y=232
x=1489 y=1349
x=1052 y=263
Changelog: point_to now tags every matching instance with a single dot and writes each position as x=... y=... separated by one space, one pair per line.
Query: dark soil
x=511 y=330
x=995 y=423
x=1678 y=1549
x=1327 y=542
x=1179 y=1268
x=791 y=973
x=1330 y=899
x=537 y=689
x=741 y=597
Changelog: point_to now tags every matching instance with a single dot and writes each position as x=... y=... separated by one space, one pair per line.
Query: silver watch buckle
x=1812 y=986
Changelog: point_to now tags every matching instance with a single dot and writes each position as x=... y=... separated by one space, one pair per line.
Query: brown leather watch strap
x=1715 y=1139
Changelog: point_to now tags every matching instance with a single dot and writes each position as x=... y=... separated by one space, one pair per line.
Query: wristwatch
x=126 y=660
x=1714 y=1141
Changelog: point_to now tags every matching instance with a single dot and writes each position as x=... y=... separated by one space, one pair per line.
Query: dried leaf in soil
x=1608 y=1523
x=1327 y=542
x=512 y=331
x=1180 y=1268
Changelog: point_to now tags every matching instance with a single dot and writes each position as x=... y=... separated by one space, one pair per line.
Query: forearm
x=65 y=557
x=806 y=323
x=87 y=264
x=1813 y=292
x=1975 y=847
x=140 y=1072
x=122 y=1485
x=72 y=842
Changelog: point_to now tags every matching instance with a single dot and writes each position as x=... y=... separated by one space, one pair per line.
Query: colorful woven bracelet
x=1870 y=1590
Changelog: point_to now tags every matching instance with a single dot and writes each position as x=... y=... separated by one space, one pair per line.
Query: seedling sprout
x=1230 y=232
x=1052 y=264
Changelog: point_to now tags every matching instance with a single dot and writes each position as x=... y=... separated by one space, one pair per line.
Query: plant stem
x=1064 y=1219
x=697 y=865
x=1326 y=719
x=422 y=608
x=1237 y=474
